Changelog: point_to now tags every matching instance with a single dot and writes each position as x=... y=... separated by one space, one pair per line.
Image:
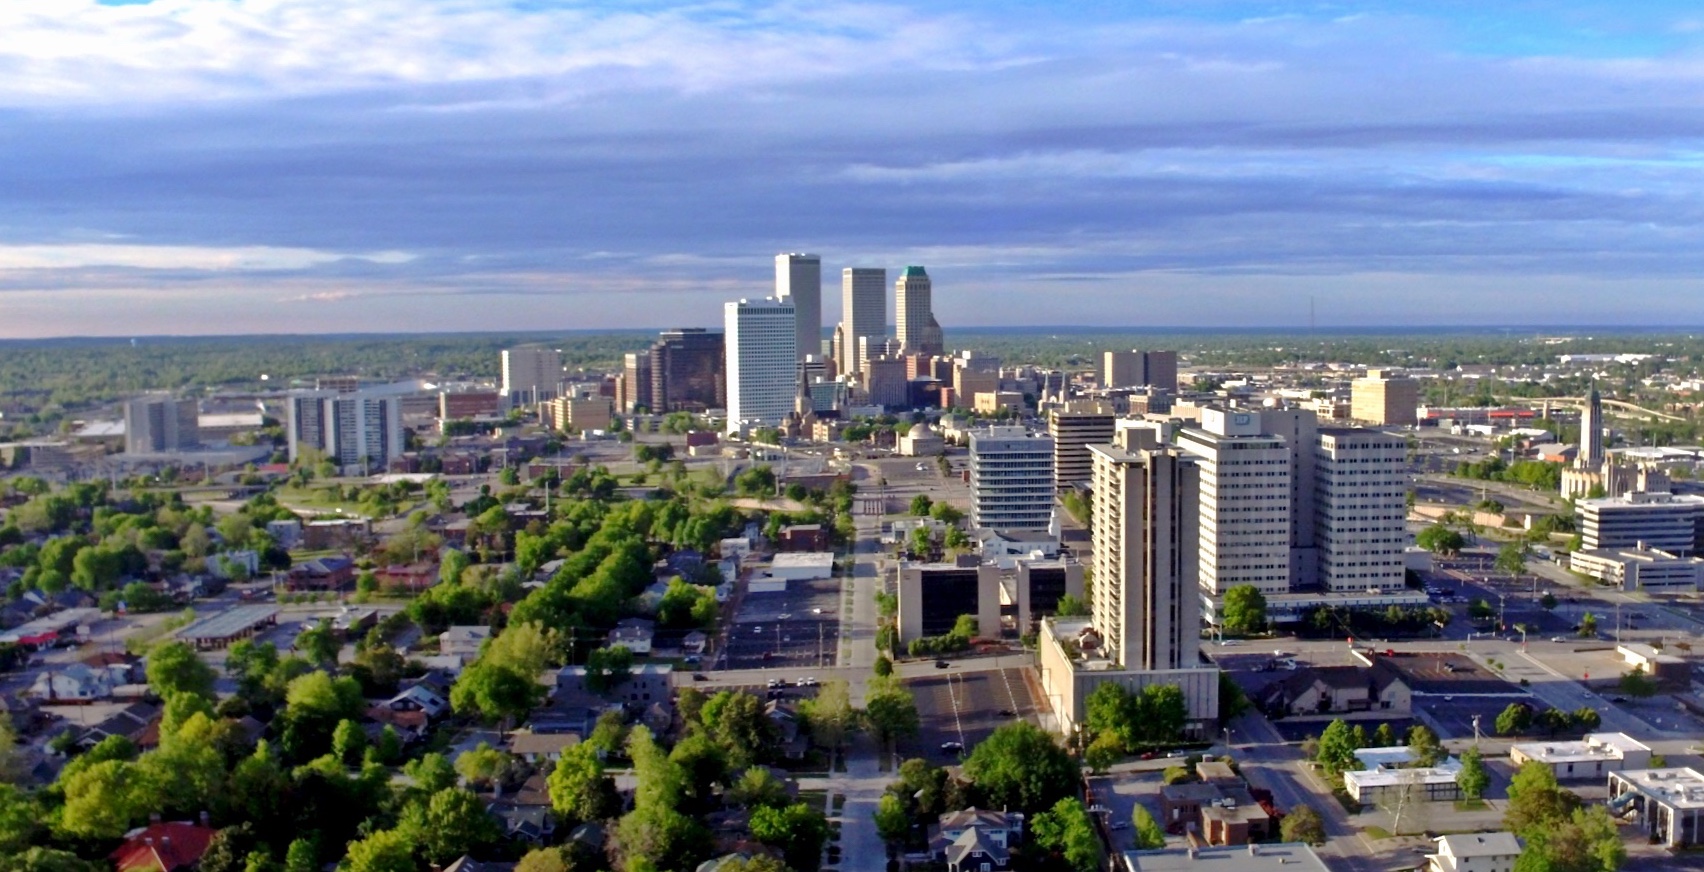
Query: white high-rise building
x=1147 y=601
x=358 y=432
x=763 y=362
x=1360 y=509
x=531 y=375
x=1011 y=479
x=914 y=314
x=1245 y=502
x=798 y=280
x=863 y=304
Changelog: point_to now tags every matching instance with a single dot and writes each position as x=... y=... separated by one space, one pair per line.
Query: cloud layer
x=215 y=166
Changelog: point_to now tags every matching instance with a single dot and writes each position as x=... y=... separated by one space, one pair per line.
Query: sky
x=297 y=166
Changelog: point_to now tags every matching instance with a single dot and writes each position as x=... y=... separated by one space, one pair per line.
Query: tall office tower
x=917 y=329
x=1245 y=502
x=1299 y=428
x=1074 y=428
x=1121 y=369
x=1360 y=504
x=1591 y=433
x=798 y=280
x=885 y=383
x=635 y=390
x=359 y=432
x=1011 y=479
x=1384 y=399
x=763 y=362
x=1130 y=369
x=863 y=305
x=159 y=423
x=688 y=371
x=531 y=375
x=1147 y=600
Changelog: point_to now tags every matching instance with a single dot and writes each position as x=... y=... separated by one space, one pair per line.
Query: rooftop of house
x=1479 y=845
x=162 y=847
x=1283 y=857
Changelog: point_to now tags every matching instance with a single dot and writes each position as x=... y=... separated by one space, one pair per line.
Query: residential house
x=789 y=731
x=537 y=747
x=975 y=840
x=636 y=634
x=74 y=683
x=526 y=814
x=322 y=574
x=132 y=722
x=1475 y=852
x=1330 y=691
x=163 y=847
x=1220 y=808
x=463 y=641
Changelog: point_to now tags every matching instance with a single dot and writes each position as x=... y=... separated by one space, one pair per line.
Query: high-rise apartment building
x=916 y=327
x=157 y=424
x=531 y=375
x=1245 y=502
x=1591 y=433
x=1011 y=479
x=1146 y=599
x=798 y=280
x=863 y=305
x=1074 y=428
x=688 y=371
x=1132 y=369
x=358 y=432
x=1360 y=506
x=763 y=362
x=1384 y=400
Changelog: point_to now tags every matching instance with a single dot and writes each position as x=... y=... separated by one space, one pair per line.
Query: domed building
x=922 y=441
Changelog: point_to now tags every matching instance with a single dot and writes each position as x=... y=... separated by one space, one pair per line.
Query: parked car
x=952 y=746
x=941 y=664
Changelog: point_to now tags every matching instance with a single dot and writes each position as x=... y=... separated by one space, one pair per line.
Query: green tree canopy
x=1245 y=610
x=1021 y=766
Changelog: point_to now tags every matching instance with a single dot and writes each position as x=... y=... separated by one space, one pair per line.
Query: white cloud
x=180 y=257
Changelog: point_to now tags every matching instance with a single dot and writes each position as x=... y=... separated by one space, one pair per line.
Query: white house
x=1475 y=852
x=464 y=641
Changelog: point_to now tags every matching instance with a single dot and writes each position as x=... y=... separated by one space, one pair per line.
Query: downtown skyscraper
x=798 y=280
x=914 y=313
x=763 y=363
x=863 y=306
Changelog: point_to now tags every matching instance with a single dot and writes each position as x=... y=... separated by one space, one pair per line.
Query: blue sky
x=226 y=166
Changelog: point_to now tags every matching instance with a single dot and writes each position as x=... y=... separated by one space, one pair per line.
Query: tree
x=735 y=720
x=1109 y=711
x=1021 y=766
x=1149 y=836
x=456 y=823
x=102 y=801
x=757 y=786
x=1536 y=801
x=229 y=848
x=1245 y=610
x=1103 y=752
x=348 y=742
x=1512 y=558
x=1302 y=824
x=1161 y=712
x=884 y=666
x=1424 y=745
x=798 y=830
x=1586 y=719
x=497 y=691
x=608 y=667
x=544 y=860
x=890 y=710
x=19 y=819
x=829 y=714
x=1588 y=625
x=431 y=773
x=658 y=837
x=920 y=505
x=1514 y=720
x=383 y=851
x=1066 y=831
x=1439 y=539
x=1548 y=601
x=484 y=765
x=174 y=667
x=1472 y=777
x=1635 y=683
x=1337 y=748
x=892 y=821
x=318 y=643
x=1071 y=606
x=1586 y=842
x=47 y=860
x=1384 y=736
x=579 y=789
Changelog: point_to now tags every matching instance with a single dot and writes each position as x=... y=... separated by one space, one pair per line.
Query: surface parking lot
x=965 y=707
x=800 y=627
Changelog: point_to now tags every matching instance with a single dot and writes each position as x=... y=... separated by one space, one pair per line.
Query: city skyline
x=495 y=166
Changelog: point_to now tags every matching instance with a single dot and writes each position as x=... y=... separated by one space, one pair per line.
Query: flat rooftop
x=230 y=624
x=1595 y=746
x=804 y=559
x=1285 y=857
x=1676 y=787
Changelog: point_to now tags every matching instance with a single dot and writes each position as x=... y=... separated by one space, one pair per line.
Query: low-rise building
x=1640 y=568
x=1475 y=852
x=1668 y=804
x=1279 y=857
x=1387 y=785
x=635 y=634
x=463 y=641
x=1591 y=757
x=1330 y=691
x=965 y=839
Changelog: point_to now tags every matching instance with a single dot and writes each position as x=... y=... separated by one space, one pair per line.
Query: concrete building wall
x=925 y=595
x=1361 y=487
x=1073 y=431
x=1384 y=400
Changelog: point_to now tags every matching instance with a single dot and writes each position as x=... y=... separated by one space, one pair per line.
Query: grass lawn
x=1471 y=805
x=1376 y=832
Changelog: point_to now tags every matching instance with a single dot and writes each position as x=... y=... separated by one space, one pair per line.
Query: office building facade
x=863 y=306
x=914 y=313
x=1011 y=479
x=1074 y=428
x=158 y=424
x=1384 y=399
x=634 y=391
x=531 y=375
x=798 y=280
x=1664 y=521
x=358 y=432
x=762 y=362
x=1360 y=509
x=1245 y=512
x=1137 y=368
x=688 y=371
